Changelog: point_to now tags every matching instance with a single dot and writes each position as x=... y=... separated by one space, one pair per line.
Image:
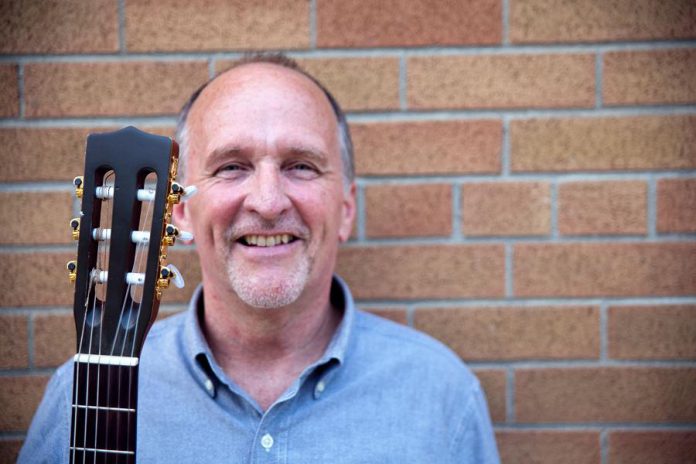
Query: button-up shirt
x=381 y=393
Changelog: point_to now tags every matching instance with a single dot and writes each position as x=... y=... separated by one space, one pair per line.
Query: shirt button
x=320 y=386
x=267 y=441
x=208 y=385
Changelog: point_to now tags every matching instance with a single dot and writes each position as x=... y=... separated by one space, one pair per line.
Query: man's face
x=271 y=205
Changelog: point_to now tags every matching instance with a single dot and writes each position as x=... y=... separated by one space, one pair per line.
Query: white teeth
x=267 y=240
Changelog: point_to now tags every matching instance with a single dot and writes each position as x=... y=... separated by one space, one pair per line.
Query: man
x=272 y=362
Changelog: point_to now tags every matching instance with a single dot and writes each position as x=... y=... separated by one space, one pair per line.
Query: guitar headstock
x=124 y=230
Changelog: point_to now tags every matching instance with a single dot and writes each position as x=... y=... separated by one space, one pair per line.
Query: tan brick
x=597 y=21
x=605 y=395
x=437 y=271
x=35 y=217
x=602 y=207
x=9 y=90
x=397 y=210
x=393 y=314
x=187 y=262
x=479 y=334
x=364 y=23
x=602 y=144
x=648 y=447
x=58 y=26
x=493 y=382
x=9 y=449
x=506 y=208
x=652 y=332
x=652 y=77
x=603 y=269
x=106 y=89
x=35 y=279
x=173 y=25
x=676 y=205
x=501 y=81
x=433 y=147
x=54 y=339
x=19 y=398
x=548 y=447
x=14 y=350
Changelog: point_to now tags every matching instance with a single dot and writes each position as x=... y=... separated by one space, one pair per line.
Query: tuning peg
x=185 y=236
x=75 y=226
x=166 y=275
x=179 y=192
x=72 y=271
x=170 y=234
x=78 y=182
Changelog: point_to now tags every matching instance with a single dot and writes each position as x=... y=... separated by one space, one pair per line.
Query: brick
x=586 y=208
x=548 y=447
x=58 y=26
x=494 y=382
x=648 y=447
x=35 y=217
x=54 y=339
x=480 y=334
x=433 y=147
x=603 y=144
x=397 y=210
x=676 y=205
x=652 y=332
x=363 y=23
x=651 y=77
x=437 y=271
x=506 y=208
x=106 y=89
x=393 y=314
x=629 y=394
x=19 y=398
x=179 y=25
x=605 y=269
x=35 y=279
x=9 y=449
x=9 y=90
x=501 y=81
x=14 y=350
x=548 y=21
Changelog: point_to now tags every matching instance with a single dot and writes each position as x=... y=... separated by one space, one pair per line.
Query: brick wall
x=526 y=189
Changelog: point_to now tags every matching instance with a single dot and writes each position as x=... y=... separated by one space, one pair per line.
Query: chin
x=268 y=292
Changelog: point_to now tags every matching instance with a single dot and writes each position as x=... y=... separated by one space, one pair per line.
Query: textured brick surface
x=676 y=205
x=187 y=262
x=493 y=382
x=438 y=271
x=19 y=397
x=397 y=210
x=652 y=332
x=364 y=23
x=9 y=91
x=652 y=77
x=479 y=334
x=547 y=447
x=597 y=20
x=605 y=395
x=14 y=350
x=506 y=208
x=153 y=25
x=601 y=144
x=393 y=314
x=501 y=81
x=433 y=147
x=58 y=26
x=35 y=279
x=596 y=269
x=104 y=89
x=35 y=217
x=54 y=339
x=602 y=208
x=9 y=449
x=648 y=447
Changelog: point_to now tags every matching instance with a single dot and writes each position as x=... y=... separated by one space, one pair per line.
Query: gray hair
x=344 y=140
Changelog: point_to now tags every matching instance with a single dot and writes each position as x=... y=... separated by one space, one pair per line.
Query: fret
x=106 y=359
x=91 y=455
x=102 y=408
x=101 y=450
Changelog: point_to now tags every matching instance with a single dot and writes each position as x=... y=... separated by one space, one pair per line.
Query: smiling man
x=272 y=363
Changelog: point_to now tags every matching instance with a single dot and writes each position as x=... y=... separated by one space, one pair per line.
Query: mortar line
x=603 y=332
x=457 y=214
x=509 y=271
x=313 y=24
x=510 y=400
x=20 y=90
x=604 y=445
x=403 y=87
x=652 y=207
x=361 y=215
x=599 y=77
x=553 y=191
x=506 y=22
x=30 y=340
x=505 y=149
x=122 y=27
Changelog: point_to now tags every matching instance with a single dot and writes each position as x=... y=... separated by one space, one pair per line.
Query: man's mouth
x=266 y=240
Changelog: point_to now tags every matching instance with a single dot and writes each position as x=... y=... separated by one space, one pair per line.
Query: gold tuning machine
x=79 y=182
x=167 y=274
x=170 y=234
x=71 y=266
x=175 y=193
x=75 y=226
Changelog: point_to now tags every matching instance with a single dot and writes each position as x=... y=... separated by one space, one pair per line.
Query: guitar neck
x=104 y=410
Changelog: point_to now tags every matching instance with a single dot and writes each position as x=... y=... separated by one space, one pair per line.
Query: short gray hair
x=344 y=140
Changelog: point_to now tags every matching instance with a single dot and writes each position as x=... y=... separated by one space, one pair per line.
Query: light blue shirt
x=381 y=393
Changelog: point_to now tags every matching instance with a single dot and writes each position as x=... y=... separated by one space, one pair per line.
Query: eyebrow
x=234 y=149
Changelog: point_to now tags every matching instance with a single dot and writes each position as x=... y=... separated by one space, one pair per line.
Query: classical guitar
x=123 y=233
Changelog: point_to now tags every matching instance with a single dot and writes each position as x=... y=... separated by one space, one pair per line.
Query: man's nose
x=266 y=196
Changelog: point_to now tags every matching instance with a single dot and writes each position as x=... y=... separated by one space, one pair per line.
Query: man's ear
x=349 y=206
x=181 y=217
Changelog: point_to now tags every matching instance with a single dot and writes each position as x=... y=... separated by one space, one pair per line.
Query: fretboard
x=104 y=404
